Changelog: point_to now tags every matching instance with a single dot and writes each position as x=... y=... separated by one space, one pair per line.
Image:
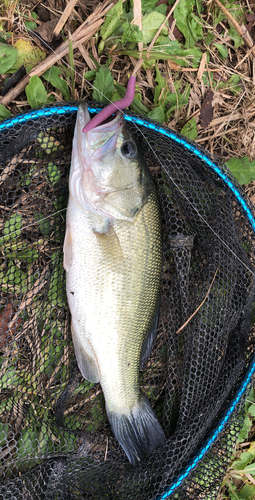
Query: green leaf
x=28 y=55
x=190 y=129
x=248 y=492
x=8 y=56
x=30 y=25
x=104 y=85
x=250 y=469
x=90 y=75
x=242 y=169
x=150 y=25
x=161 y=84
x=52 y=76
x=222 y=49
x=148 y=5
x=188 y=23
x=111 y=20
x=36 y=92
x=157 y=114
x=4 y=112
x=131 y=33
x=244 y=459
x=251 y=410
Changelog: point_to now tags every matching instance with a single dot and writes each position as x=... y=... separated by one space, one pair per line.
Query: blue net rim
x=63 y=109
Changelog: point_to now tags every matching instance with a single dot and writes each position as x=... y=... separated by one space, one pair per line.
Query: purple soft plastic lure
x=113 y=107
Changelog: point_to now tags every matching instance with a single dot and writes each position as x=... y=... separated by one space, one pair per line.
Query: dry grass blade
x=200 y=305
x=70 y=6
x=138 y=19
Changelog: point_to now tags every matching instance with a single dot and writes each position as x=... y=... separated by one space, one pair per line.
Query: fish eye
x=128 y=149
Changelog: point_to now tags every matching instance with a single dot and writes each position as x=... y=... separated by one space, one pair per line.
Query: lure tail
x=138 y=431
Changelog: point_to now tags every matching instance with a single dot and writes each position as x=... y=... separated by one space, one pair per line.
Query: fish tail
x=138 y=431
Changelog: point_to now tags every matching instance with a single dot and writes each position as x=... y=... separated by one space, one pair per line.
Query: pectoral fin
x=85 y=357
x=149 y=340
x=67 y=249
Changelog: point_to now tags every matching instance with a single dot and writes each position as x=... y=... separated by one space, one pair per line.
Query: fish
x=113 y=261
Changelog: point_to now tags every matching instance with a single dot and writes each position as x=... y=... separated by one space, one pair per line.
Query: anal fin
x=85 y=356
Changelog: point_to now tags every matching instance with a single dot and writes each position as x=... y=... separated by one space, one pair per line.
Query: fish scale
x=113 y=270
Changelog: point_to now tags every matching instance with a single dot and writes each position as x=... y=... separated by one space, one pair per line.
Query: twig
x=162 y=25
x=195 y=312
x=240 y=29
x=138 y=19
x=70 y=6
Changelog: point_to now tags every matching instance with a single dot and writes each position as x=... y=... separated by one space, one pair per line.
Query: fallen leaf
x=43 y=35
x=27 y=55
x=206 y=112
x=6 y=333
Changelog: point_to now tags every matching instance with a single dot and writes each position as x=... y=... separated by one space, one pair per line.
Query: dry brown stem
x=69 y=7
x=203 y=301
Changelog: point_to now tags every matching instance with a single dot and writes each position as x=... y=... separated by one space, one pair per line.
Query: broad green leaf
x=28 y=55
x=112 y=20
x=104 y=85
x=157 y=114
x=150 y=25
x=148 y=5
x=90 y=75
x=52 y=76
x=187 y=22
x=162 y=8
x=222 y=49
x=4 y=112
x=131 y=33
x=8 y=57
x=248 y=492
x=251 y=410
x=242 y=169
x=244 y=459
x=30 y=25
x=36 y=92
x=190 y=129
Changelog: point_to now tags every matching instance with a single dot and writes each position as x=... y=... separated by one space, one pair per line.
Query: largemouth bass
x=113 y=260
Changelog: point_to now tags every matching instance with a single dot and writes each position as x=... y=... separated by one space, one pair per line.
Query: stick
x=240 y=29
x=70 y=6
x=195 y=312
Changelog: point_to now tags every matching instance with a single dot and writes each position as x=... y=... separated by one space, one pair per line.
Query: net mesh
x=56 y=442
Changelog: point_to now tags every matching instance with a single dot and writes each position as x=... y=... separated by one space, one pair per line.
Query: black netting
x=56 y=442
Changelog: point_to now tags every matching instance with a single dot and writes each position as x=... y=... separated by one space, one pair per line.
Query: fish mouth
x=102 y=139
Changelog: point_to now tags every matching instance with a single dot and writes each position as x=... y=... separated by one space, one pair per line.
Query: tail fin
x=138 y=431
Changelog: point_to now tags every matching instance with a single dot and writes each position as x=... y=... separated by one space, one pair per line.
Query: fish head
x=108 y=174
